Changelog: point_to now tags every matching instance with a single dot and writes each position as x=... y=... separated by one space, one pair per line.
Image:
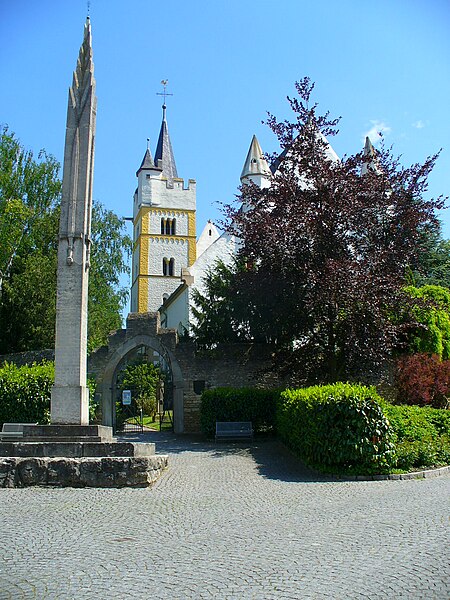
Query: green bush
x=337 y=427
x=421 y=435
x=414 y=423
x=238 y=404
x=422 y=453
x=25 y=393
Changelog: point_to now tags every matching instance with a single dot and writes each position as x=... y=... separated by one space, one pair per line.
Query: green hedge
x=238 y=404
x=421 y=435
x=25 y=393
x=337 y=427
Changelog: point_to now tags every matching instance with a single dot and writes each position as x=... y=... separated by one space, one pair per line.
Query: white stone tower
x=70 y=395
x=164 y=227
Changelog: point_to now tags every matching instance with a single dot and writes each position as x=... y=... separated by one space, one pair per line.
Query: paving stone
x=229 y=521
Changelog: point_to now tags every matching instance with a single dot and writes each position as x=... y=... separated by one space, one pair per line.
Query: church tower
x=164 y=227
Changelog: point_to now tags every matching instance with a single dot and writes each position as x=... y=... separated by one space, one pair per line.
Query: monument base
x=67 y=433
x=101 y=472
x=77 y=456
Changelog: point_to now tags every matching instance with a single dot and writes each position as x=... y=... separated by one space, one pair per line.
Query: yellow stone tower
x=164 y=240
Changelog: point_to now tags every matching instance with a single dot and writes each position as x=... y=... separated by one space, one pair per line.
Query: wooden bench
x=12 y=432
x=234 y=430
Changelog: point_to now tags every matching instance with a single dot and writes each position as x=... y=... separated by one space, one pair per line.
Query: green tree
x=431 y=334
x=111 y=248
x=29 y=191
x=434 y=262
x=216 y=310
x=142 y=379
x=29 y=221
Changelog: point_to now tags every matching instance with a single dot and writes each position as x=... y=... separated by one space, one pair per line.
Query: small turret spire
x=370 y=158
x=255 y=163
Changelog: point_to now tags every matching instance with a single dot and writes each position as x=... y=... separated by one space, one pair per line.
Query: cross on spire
x=164 y=93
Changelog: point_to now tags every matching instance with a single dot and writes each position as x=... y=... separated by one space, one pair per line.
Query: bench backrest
x=227 y=426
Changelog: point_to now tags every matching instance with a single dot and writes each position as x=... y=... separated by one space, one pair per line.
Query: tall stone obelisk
x=70 y=395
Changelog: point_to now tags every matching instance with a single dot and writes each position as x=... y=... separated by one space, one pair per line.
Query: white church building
x=168 y=261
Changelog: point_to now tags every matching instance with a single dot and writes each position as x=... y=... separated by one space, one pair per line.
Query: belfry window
x=165 y=266
x=162 y=226
x=173 y=227
x=167 y=226
x=172 y=266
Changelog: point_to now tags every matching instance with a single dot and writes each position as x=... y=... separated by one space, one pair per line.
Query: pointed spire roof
x=370 y=154
x=164 y=152
x=147 y=163
x=255 y=163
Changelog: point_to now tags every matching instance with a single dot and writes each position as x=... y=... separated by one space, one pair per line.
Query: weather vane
x=164 y=83
x=88 y=7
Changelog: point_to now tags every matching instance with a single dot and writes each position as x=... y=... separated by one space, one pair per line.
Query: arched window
x=172 y=266
x=168 y=226
x=162 y=226
x=173 y=227
x=165 y=266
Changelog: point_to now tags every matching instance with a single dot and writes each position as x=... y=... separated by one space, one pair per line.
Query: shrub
x=423 y=379
x=340 y=426
x=422 y=453
x=421 y=434
x=414 y=423
x=25 y=393
x=238 y=404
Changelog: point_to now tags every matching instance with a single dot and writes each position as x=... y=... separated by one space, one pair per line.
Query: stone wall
x=234 y=365
x=229 y=365
x=28 y=358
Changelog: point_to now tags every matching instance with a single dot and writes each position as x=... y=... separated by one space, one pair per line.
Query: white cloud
x=377 y=131
x=419 y=124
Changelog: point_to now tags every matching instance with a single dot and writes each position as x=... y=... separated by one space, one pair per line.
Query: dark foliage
x=423 y=379
x=325 y=250
x=238 y=404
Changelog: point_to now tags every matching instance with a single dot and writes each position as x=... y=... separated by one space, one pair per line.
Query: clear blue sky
x=381 y=64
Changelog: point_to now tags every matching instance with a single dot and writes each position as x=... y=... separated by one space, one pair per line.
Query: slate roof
x=164 y=152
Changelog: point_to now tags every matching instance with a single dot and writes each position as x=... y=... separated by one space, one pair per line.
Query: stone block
x=113 y=471
x=32 y=471
x=63 y=472
x=67 y=433
x=8 y=473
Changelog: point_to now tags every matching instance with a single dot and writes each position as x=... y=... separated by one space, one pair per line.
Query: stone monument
x=69 y=451
x=70 y=395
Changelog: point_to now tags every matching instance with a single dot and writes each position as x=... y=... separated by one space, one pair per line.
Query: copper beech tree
x=326 y=249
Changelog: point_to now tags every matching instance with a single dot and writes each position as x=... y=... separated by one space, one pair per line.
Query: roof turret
x=147 y=163
x=255 y=163
x=164 y=154
x=370 y=156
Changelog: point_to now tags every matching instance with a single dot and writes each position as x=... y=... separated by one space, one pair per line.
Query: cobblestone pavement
x=228 y=521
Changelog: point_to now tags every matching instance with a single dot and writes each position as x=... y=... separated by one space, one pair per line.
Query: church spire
x=255 y=163
x=164 y=154
x=370 y=158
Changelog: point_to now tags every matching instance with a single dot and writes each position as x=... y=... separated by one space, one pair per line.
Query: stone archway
x=142 y=330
